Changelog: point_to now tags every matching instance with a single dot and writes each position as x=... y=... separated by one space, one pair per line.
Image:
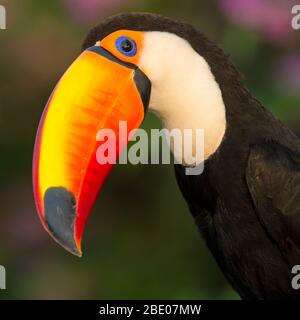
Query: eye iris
x=126 y=46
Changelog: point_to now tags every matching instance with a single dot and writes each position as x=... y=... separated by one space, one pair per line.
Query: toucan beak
x=96 y=92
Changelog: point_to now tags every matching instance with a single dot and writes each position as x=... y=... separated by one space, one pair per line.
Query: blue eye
x=126 y=46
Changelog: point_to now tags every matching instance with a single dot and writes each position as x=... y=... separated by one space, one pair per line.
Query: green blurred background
x=140 y=241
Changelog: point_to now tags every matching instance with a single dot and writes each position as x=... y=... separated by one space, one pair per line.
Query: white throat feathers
x=185 y=94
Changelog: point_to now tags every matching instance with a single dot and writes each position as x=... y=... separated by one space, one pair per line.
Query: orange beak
x=96 y=92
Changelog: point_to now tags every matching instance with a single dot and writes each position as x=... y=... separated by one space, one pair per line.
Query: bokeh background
x=140 y=240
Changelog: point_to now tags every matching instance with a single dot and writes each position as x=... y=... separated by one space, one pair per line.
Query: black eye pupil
x=126 y=46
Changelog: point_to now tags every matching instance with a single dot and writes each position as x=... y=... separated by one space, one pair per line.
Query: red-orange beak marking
x=97 y=91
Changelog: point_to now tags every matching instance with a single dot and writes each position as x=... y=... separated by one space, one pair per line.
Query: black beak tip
x=60 y=213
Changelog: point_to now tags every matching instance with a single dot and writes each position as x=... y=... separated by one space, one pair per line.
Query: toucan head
x=129 y=63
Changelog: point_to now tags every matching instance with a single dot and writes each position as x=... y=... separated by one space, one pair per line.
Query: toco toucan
x=246 y=202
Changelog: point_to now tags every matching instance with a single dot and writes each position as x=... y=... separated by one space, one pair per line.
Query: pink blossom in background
x=289 y=73
x=91 y=10
x=272 y=18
